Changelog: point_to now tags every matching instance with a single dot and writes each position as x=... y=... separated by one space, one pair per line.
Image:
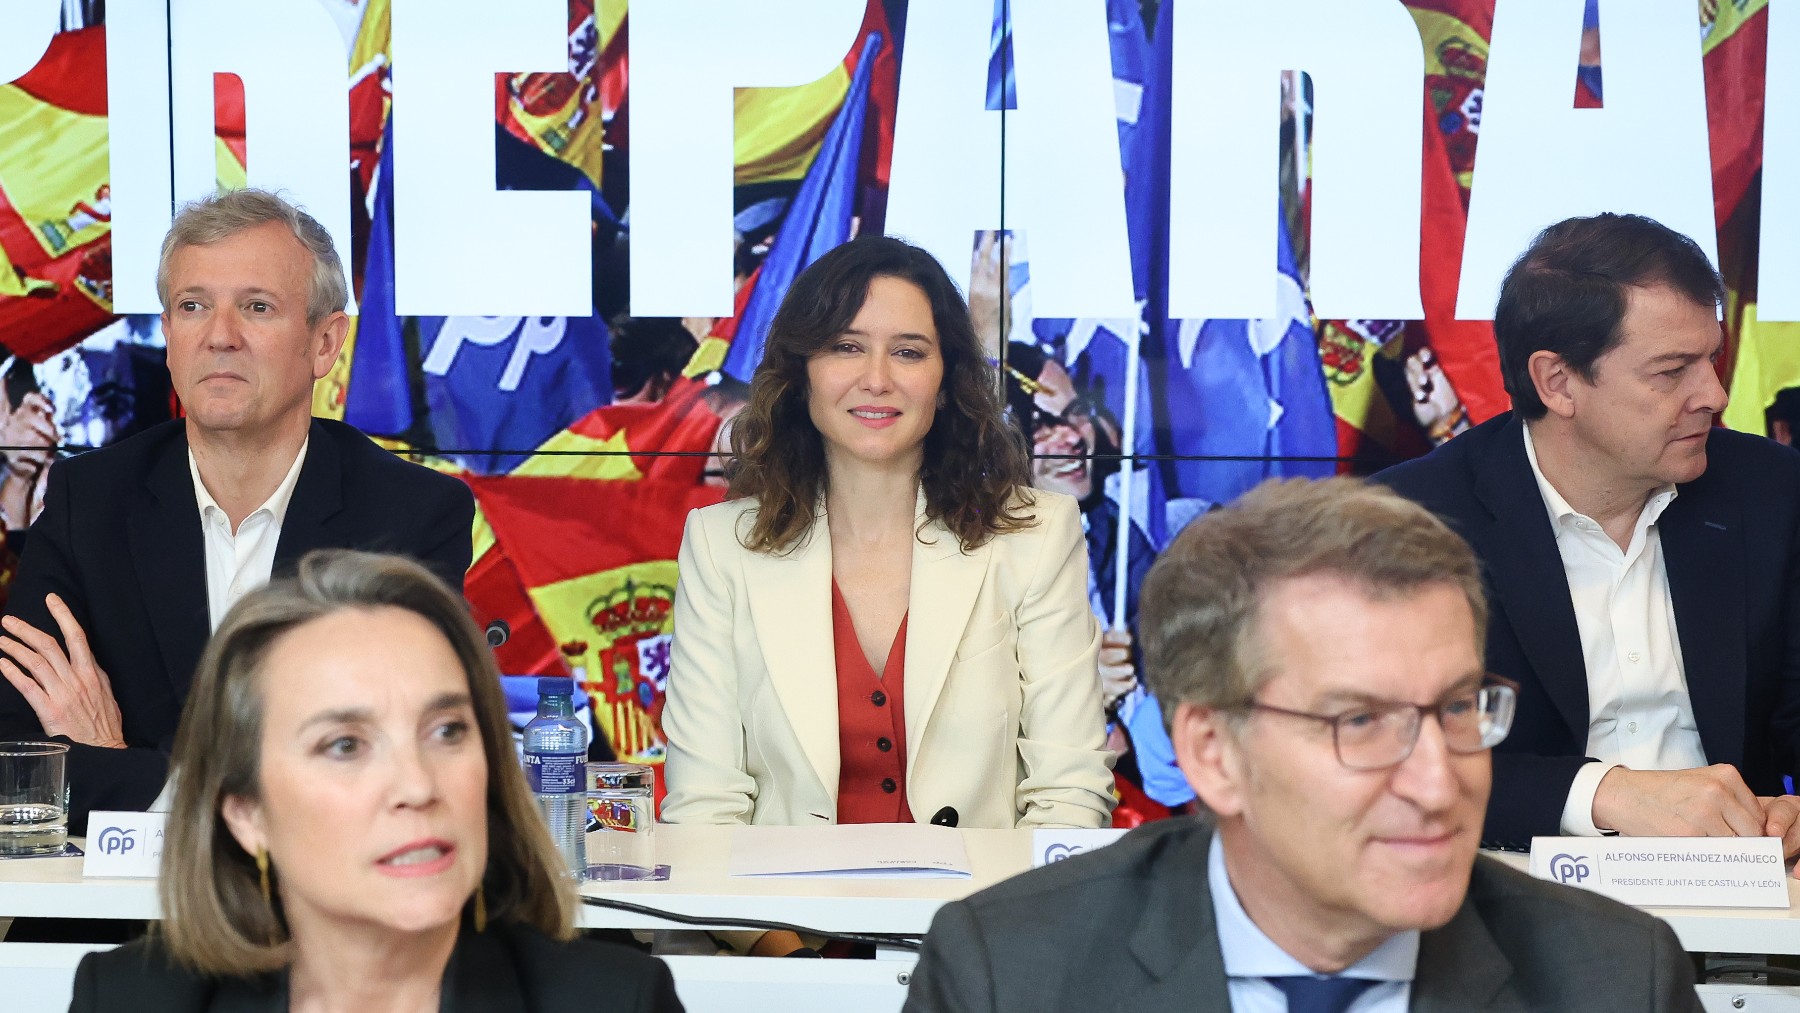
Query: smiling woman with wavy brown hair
x=884 y=621
x=973 y=462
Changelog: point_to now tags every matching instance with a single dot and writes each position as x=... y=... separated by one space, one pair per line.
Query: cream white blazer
x=1002 y=696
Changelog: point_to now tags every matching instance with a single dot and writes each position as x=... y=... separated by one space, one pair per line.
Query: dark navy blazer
x=1729 y=545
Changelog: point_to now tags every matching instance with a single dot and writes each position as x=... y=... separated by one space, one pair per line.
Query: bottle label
x=555 y=773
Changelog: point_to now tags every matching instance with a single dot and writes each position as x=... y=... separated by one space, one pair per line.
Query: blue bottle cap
x=555 y=685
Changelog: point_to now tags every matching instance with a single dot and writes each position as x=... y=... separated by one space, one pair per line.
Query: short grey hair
x=1200 y=609
x=221 y=216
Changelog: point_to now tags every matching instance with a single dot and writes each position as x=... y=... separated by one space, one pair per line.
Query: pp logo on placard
x=114 y=841
x=1059 y=851
x=1569 y=869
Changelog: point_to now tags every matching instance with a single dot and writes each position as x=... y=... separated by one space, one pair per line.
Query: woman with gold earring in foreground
x=350 y=829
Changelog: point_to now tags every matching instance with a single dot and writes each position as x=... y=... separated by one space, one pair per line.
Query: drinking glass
x=34 y=815
x=621 y=821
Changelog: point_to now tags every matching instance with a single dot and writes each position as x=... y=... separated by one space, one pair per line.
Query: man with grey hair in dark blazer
x=1317 y=648
x=143 y=546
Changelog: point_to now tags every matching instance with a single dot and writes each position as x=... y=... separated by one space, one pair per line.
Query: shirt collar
x=1559 y=508
x=1249 y=953
x=277 y=503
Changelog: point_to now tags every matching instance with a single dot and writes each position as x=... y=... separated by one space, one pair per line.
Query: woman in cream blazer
x=875 y=422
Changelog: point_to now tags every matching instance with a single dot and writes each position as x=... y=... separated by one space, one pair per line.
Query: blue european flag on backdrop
x=1246 y=389
x=817 y=220
x=1251 y=390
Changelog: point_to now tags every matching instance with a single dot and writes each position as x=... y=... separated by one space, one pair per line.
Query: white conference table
x=699 y=886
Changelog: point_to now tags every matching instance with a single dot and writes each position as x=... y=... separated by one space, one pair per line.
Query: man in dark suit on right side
x=1316 y=648
x=1641 y=562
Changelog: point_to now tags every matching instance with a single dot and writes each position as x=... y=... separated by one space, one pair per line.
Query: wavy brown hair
x=975 y=470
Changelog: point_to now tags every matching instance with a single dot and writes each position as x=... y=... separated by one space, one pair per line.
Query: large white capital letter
x=1223 y=155
x=686 y=57
x=137 y=140
x=26 y=28
x=292 y=60
x=1064 y=188
x=1778 y=270
x=462 y=248
x=1542 y=160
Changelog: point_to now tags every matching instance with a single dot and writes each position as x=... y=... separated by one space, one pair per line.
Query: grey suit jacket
x=1130 y=927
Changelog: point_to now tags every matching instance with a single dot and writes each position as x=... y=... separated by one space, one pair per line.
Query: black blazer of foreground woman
x=509 y=968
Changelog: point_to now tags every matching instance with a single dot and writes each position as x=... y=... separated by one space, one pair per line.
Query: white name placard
x=1055 y=845
x=124 y=845
x=1668 y=871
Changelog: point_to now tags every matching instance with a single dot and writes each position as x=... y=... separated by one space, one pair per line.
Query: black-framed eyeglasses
x=1376 y=736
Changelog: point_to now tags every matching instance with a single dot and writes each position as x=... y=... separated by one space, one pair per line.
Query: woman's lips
x=418 y=858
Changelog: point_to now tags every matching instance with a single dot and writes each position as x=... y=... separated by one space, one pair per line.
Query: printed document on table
x=870 y=850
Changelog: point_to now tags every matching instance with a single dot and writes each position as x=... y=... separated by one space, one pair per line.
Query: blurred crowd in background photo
x=587 y=440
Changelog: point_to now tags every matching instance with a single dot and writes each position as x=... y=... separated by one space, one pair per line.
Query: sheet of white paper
x=868 y=850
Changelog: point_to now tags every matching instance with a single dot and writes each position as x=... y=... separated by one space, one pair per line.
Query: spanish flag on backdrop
x=606 y=442
x=597 y=560
x=55 y=199
x=562 y=114
x=779 y=130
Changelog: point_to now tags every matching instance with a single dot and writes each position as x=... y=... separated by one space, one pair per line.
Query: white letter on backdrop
x=462 y=248
x=1541 y=160
x=137 y=139
x=294 y=66
x=1064 y=188
x=1778 y=270
x=1366 y=62
x=686 y=57
x=26 y=28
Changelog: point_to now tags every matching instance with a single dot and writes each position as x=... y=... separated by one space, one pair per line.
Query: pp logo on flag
x=536 y=336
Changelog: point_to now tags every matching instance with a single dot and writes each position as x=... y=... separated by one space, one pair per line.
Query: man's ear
x=329 y=343
x=1208 y=753
x=1553 y=378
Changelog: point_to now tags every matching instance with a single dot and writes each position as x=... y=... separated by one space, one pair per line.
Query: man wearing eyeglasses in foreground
x=1317 y=650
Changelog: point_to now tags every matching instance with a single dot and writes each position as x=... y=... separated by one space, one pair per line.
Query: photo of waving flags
x=488 y=383
x=597 y=560
x=584 y=468
x=55 y=199
x=818 y=219
x=1248 y=397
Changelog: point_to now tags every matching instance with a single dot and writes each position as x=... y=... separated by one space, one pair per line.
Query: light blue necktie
x=1310 y=994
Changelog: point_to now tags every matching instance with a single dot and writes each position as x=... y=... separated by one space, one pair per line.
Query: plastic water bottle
x=555 y=769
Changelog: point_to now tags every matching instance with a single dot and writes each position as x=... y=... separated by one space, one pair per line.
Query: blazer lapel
x=318 y=496
x=168 y=550
x=945 y=583
x=1525 y=573
x=1176 y=941
x=1461 y=968
x=790 y=606
x=1704 y=555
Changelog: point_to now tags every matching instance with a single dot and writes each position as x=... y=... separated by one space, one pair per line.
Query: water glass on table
x=621 y=821
x=34 y=815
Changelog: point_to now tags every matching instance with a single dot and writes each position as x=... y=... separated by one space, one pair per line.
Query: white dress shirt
x=1251 y=958
x=1639 y=713
x=238 y=562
